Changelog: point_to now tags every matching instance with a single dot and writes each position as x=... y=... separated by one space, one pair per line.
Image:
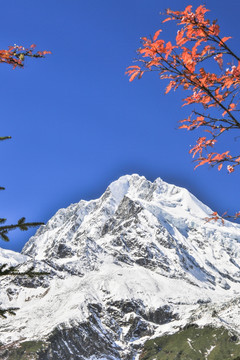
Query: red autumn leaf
x=214 y=29
x=133 y=67
x=169 y=87
x=201 y=10
x=156 y=35
x=188 y=9
x=219 y=60
x=179 y=36
x=167 y=19
x=232 y=106
x=134 y=75
x=224 y=39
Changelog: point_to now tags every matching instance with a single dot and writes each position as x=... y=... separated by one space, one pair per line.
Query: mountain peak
x=133 y=211
x=139 y=261
x=120 y=187
x=128 y=185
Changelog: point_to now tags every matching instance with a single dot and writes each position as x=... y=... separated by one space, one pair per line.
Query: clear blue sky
x=78 y=124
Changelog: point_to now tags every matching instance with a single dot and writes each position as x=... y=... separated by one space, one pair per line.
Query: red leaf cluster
x=16 y=54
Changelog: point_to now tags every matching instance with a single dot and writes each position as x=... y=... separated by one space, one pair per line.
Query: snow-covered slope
x=11 y=258
x=139 y=261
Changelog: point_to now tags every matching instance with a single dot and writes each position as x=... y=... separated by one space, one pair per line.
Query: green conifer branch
x=10 y=311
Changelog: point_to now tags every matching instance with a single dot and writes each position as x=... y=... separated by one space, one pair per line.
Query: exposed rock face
x=138 y=262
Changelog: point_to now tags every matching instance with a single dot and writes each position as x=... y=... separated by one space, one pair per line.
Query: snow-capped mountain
x=136 y=263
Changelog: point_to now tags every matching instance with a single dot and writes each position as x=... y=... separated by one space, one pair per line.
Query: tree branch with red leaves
x=188 y=64
x=16 y=54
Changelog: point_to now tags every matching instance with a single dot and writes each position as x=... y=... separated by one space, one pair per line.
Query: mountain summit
x=138 y=262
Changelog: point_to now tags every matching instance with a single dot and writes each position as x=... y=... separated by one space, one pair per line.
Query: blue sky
x=77 y=123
